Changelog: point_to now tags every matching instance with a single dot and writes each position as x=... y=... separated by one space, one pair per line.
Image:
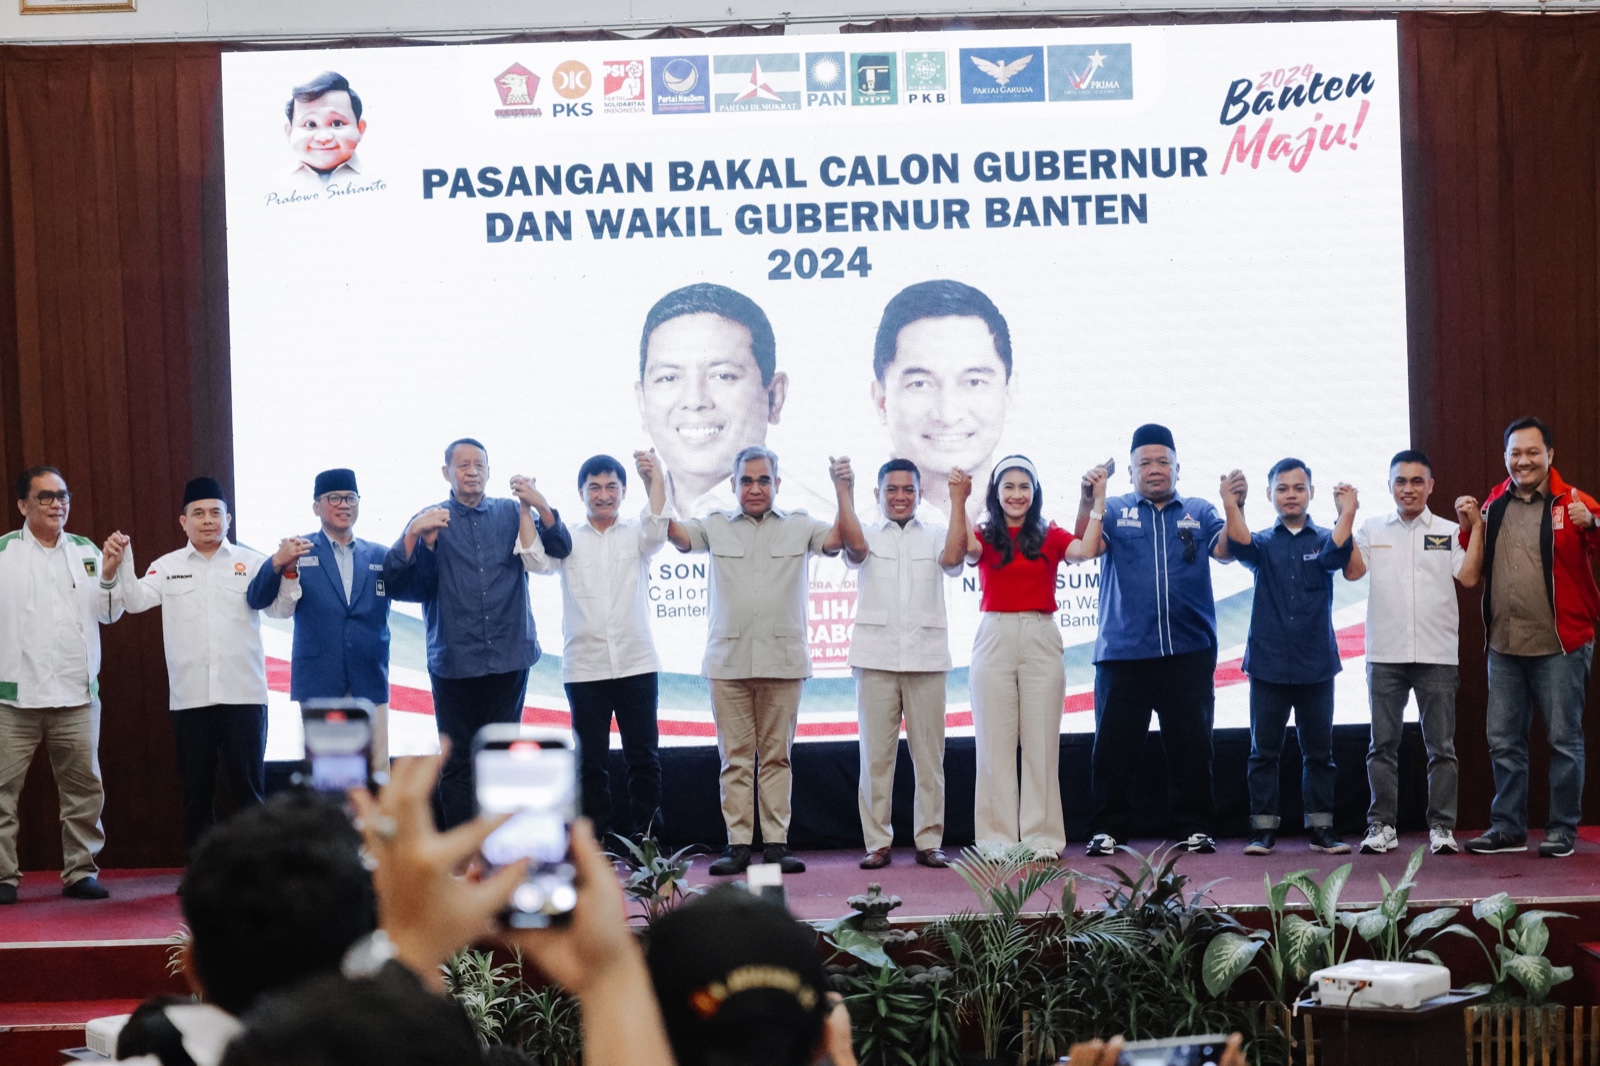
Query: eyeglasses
x=1189 y=546
x=341 y=499
x=47 y=498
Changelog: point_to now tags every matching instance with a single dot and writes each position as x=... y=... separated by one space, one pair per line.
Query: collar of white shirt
x=884 y=522
x=1426 y=518
x=224 y=549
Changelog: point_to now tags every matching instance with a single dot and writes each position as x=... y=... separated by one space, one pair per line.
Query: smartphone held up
x=530 y=774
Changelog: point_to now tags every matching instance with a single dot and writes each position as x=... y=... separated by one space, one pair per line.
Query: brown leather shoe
x=876 y=859
x=933 y=857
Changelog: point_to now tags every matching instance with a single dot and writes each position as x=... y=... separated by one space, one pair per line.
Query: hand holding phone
x=338 y=736
x=532 y=776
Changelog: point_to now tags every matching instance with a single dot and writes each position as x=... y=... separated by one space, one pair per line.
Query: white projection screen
x=1194 y=225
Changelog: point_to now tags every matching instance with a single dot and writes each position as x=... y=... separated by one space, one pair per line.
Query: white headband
x=1014 y=462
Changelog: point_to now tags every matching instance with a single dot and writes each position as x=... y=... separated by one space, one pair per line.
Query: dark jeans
x=461 y=707
x=633 y=701
x=1557 y=685
x=237 y=734
x=1389 y=686
x=1270 y=704
x=1180 y=690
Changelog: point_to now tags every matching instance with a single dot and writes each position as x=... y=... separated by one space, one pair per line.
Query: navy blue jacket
x=339 y=648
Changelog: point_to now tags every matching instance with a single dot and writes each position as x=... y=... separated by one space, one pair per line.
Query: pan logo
x=680 y=85
x=872 y=79
x=1091 y=72
x=1002 y=75
x=825 y=79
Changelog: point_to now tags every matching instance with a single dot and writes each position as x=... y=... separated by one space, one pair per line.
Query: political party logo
x=825 y=79
x=925 y=79
x=1091 y=71
x=623 y=87
x=680 y=85
x=1002 y=75
x=517 y=86
x=240 y=568
x=572 y=82
x=872 y=78
x=757 y=83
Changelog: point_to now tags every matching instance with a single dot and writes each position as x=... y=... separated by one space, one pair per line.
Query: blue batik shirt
x=1155 y=578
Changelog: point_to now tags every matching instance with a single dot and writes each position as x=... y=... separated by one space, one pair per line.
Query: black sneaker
x=86 y=888
x=1262 y=841
x=787 y=860
x=8 y=894
x=1101 y=844
x=1199 y=844
x=1556 y=846
x=735 y=860
x=1494 y=842
x=1325 y=840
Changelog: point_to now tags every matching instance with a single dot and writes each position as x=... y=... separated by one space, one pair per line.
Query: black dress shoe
x=933 y=858
x=735 y=860
x=8 y=894
x=876 y=859
x=787 y=860
x=86 y=888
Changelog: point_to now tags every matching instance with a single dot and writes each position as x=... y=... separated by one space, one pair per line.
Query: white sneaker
x=1046 y=855
x=1380 y=838
x=1442 y=841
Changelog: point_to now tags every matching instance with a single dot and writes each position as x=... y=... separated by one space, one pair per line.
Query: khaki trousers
x=884 y=700
x=71 y=738
x=1018 y=687
x=755 y=728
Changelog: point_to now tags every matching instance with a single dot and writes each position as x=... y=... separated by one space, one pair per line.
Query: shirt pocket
x=789 y=642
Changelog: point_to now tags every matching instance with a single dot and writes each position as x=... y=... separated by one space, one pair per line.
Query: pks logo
x=825 y=79
x=517 y=86
x=240 y=568
x=925 y=78
x=680 y=85
x=1091 y=72
x=572 y=81
x=1002 y=75
x=873 y=79
x=624 y=87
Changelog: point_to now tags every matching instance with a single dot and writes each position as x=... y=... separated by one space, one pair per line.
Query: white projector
x=100 y=1035
x=1364 y=983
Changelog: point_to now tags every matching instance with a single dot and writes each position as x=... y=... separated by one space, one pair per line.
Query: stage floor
x=143 y=905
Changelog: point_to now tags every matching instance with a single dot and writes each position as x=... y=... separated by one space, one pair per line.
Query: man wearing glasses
x=52 y=604
x=1157 y=647
x=334 y=592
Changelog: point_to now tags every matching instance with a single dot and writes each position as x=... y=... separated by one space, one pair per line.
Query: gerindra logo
x=517 y=86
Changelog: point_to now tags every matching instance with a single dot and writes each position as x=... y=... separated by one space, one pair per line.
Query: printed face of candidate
x=1411 y=484
x=1016 y=495
x=1154 y=470
x=701 y=397
x=602 y=496
x=205 y=523
x=898 y=495
x=1291 y=494
x=324 y=132
x=756 y=486
x=1528 y=460
x=945 y=395
x=338 y=512
x=46 y=518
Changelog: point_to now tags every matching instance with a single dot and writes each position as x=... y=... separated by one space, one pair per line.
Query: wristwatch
x=368 y=955
x=1097 y=516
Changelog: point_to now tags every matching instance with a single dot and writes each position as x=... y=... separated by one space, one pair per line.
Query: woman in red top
x=1017 y=679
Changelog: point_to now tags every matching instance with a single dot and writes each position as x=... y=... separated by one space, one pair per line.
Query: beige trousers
x=380 y=738
x=884 y=700
x=71 y=738
x=755 y=728
x=1018 y=687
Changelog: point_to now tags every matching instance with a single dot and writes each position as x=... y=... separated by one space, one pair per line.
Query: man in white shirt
x=1414 y=558
x=900 y=654
x=757 y=656
x=608 y=657
x=216 y=666
x=52 y=603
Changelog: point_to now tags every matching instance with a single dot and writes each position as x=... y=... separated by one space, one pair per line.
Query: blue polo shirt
x=1155 y=578
x=473 y=588
x=1291 y=638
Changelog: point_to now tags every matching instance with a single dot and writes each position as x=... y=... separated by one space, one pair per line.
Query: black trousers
x=461 y=707
x=235 y=733
x=633 y=701
x=1179 y=689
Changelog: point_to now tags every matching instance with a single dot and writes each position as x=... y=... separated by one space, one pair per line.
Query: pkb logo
x=925 y=78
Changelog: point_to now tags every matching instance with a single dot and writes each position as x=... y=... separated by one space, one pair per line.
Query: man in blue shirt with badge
x=1157 y=648
x=1292 y=653
x=335 y=594
x=459 y=560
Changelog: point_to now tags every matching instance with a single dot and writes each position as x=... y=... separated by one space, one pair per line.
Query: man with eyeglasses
x=335 y=594
x=52 y=604
x=1157 y=647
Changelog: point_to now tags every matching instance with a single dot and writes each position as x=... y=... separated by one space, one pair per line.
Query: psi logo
x=624 y=87
x=517 y=86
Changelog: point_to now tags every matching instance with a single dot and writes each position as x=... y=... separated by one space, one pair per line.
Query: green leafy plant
x=655 y=880
x=548 y=1025
x=486 y=992
x=178 y=950
x=887 y=1016
x=1519 y=971
x=1381 y=927
x=1292 y=945
x=505 y=1009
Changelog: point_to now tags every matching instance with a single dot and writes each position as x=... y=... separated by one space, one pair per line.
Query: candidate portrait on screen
x=324 y=128
x=942 y=382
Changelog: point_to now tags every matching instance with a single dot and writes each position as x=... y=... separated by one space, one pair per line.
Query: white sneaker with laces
x=1442 y=841
x=1380 y=838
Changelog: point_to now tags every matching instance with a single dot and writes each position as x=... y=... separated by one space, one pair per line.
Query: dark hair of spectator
x=1531 y=423
x=1283 y=466
x=601 y=464
x=450 y=449
x=25 y=479
x=1030 y=538
x=903 y=466
x=1410 y=455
